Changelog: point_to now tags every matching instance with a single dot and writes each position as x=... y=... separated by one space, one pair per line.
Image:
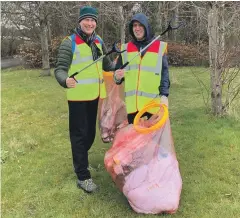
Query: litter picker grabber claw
x=114 y=49
x=169 y=28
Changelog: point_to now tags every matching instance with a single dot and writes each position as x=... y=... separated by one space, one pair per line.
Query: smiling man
x=75 y=52
x=146 y=77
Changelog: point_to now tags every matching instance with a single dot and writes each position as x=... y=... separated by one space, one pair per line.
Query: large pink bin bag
x=145 y=168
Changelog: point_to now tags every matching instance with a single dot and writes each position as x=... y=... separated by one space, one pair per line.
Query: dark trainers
x=87 y=185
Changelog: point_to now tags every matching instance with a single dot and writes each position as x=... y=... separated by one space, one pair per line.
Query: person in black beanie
x=75 y=52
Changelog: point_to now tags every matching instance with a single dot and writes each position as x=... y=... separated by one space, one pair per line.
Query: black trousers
x=133 y=115
x=82 y=128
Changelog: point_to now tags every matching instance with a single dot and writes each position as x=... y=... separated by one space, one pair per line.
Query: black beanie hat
x=88 y=12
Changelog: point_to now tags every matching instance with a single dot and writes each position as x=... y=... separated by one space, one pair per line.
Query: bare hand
x=164 y=100
x=70 y=82
x=119 y=74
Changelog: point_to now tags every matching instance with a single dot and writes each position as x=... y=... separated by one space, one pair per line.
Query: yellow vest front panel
x=90 y=81
x=143 y=75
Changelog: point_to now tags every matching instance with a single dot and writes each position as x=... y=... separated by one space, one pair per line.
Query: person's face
x=138 y=30
x=88 y=25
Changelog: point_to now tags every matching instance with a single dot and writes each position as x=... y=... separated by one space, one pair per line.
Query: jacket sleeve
x=63 y=62
x=107 y=64
x=165 y=82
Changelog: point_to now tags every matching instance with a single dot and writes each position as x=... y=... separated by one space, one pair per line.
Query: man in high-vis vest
x=146 y=77
x=75 y=52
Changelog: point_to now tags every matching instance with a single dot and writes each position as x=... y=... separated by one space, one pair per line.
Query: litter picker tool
x=114 y=49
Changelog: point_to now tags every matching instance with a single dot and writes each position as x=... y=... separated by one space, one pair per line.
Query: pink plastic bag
x=145 y=168
x=112 y=111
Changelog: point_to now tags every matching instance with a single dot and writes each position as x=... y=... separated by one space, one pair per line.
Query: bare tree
x=223 y=74
x=122 y=23
x=116 y=16
x=43 y=17
x=211 y=26
x=214 y=41
x=30 y=18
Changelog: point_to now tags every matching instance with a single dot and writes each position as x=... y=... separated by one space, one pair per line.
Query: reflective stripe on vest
x=140 y=93
x=90 y=81
x=80 y=59
x=143 y=75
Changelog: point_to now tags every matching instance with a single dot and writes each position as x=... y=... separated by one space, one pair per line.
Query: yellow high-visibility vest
x=90 y=81
x=142 y=75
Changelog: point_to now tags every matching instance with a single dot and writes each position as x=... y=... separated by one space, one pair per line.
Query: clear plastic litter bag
x=112 y=110
x=145 y=168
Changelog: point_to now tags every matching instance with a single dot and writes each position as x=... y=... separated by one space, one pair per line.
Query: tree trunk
x=102 y=21
x=159 y=18
x=49 y=32
x=214 y=57
x=123 y=22
x=175 y=12
x=44 y=40
x=165 y=15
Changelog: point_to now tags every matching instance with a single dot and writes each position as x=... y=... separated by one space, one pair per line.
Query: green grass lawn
x=37 y=172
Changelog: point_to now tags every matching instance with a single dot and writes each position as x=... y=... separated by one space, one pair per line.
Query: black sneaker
x=87 y=185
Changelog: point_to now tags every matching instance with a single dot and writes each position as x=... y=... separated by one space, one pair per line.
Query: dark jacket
x=165 y=82
x=64 y=60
